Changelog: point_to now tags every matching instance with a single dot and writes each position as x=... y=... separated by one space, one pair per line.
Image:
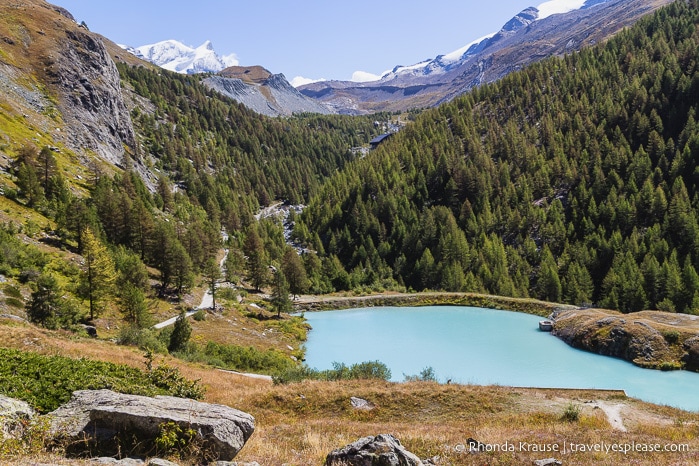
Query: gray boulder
x=124 y=462
x=106 y=423
x=160 y=462
x=548 y=462
x=361 y=404
x=12 y=415
x=382 y=450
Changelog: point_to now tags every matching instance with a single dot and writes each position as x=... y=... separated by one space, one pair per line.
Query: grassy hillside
x=574 y=180
x=301 y=423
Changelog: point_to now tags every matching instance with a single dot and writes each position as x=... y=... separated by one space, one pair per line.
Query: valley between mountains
x=561 y=182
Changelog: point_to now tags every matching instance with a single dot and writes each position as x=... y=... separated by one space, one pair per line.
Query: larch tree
x=212 y=274
x=256 y=262
x=294 y=272
x=98 y=275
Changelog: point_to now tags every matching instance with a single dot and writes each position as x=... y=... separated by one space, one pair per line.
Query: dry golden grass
x=300 y=423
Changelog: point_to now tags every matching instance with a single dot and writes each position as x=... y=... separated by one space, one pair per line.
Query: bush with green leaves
x=239 y=358
x=360 y=371
x=426 y=375
x=143 y=338
x=571 y=413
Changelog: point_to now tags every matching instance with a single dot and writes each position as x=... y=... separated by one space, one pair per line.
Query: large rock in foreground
x=382 y=450
x=12 y=414
x=102 y=422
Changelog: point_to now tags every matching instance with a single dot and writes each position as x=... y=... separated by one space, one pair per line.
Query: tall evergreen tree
x=280 y=293
x=98 y=275
x=256 y=262
x=294 y=272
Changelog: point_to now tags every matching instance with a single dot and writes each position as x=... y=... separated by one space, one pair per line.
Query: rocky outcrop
x=90 y=98
x=272 y=96
x=106 y=423
x=650 y=339
x=61 y=80
x=12 y=415
x=691 y=358
x=382 y=450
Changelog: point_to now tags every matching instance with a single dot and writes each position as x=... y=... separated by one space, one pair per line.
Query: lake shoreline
x=524 y=305
x=630 y=344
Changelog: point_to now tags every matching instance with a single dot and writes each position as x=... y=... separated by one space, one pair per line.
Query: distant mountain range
x=176 y=56
x=255 y=87
x=554 y=28
x=531 y=35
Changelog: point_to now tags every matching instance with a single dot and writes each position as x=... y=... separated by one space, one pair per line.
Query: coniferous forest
x=575 y=180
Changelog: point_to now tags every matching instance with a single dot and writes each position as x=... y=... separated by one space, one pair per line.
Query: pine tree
x=294 y=272
x=212 y=275
x=132 y=304
x=280 y=293
x=98 y=275
x=44 y=301
x=234 y=265
x=180 y=334
x=257 y=266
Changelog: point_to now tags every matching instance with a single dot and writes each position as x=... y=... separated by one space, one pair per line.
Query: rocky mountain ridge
x=61 y=84
x=265 y=93
x=521 y=41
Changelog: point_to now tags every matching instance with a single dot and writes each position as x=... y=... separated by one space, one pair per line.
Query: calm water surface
x=482 y=346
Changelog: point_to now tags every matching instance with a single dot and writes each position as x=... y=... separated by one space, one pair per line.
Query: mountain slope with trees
x=574 y=180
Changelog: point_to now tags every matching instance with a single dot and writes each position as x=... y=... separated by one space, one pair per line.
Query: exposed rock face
x=691 y=359
x=271 y=95
x=12 y=413
x=651 y=339
x=108 y=421
x=61 y=80
x=90 y=95
x=382 y=450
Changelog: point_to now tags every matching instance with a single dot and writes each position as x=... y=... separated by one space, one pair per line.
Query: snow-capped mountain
x=176 y=56
x=553 y=28
x=444 y=63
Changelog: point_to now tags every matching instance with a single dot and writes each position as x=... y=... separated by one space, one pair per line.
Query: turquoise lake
x=482 y=346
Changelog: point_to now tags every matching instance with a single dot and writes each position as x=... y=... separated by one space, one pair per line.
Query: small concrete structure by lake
x=545 y=325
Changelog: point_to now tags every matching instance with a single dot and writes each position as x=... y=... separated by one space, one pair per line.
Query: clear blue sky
x=315 y=39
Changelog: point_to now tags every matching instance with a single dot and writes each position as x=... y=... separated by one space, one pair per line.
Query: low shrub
x=239 y=358
x=143 y=338
x=46 y=382
x=340 y=371
x=425 y=375
x=571 y=413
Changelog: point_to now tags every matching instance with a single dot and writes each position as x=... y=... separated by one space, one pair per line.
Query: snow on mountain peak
x=554 y=7
x=176 y=56
x=443 y=63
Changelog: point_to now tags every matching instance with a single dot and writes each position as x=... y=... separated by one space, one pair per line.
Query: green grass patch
x=295 y=327
x=14 y=302
x=367 y=370
x=238 y=358
x=46 y=382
